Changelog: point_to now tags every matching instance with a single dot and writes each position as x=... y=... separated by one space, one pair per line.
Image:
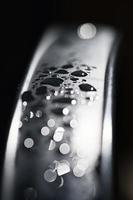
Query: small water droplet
x=73 y=102
x=48 y=97
x=64 y=148
x=20 y=124
x=38 y=113
x=57 y=111
x=63 y=167
x=28 y=143
x=69 y=90
x=25 y=103
x=45 y=131
x=61 y=71
x=52 y=68
x=73 y=123
x=51 y=123
x=78 y=172
x=67 y=66
x=79 y=73
x=86 y=87
x=52 y=145
x=62 y=100
x=58 y=135
x=62 y=182
x=55 y=93
x=31 y=114
x=50 y=175
x=65 y=111
x=74 y=79
x=87 y=31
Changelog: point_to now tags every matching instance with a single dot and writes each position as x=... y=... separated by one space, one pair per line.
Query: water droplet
x=86 y=67
x=46 y=71
x=73 y=123
x=65 y=111
x=57 y=111
x=63 y=100
x=63 y=167
x=26 y=118
x=51 y=122
x=52 y=68
x=69 y=91
x=62 y=183
x=50 y=175
x=45 y=131
x=58 y=135
x=28 y=143
x=79 y=73
x=25 y=103
x=86 y=87
x=41 y=90
x=61 y=71
x=53 y=81
x=67 y=66
x=55 y=93
x=87 y=31
x=38 y=113
x=52 y=145
x=73 y=102
x=74 y=79
x=83 y=80
x=27 y=96
x=48 y=97
x=31 y=114
x=78 y=172
x=64 y=148
x=20 y=124
x=30 y=194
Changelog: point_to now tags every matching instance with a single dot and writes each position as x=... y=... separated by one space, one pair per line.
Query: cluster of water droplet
x=54 y=94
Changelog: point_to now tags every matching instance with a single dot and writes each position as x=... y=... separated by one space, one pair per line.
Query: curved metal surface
x=55 y=140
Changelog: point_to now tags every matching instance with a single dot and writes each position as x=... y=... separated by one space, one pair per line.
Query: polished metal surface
x=60 y=139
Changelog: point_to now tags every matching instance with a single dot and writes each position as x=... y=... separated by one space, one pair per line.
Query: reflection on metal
x=64 y=89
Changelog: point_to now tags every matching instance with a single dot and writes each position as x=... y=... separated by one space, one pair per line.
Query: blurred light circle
x=28 y=143
x=87 y=31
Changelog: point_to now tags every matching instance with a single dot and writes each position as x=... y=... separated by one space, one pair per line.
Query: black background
x=22 y=26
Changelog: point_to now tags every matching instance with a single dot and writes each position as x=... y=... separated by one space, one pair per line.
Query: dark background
x=22 y=26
